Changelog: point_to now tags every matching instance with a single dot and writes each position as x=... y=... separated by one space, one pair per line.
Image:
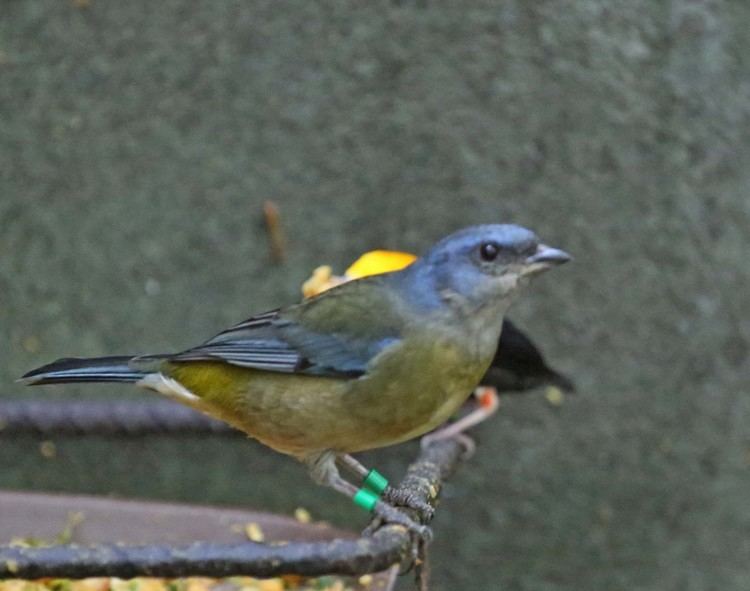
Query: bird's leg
x=353 y=465
x=404 y=498
x=324 y=471
x=488 y=404
x=399 y=497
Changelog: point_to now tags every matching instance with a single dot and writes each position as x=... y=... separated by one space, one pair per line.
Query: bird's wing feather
x=335 y=334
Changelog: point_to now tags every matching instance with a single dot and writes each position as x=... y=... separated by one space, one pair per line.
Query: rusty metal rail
x=128 y=418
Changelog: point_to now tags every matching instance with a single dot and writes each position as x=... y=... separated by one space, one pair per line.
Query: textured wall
x=139 y=139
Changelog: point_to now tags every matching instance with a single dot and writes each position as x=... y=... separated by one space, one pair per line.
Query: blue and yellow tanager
x=369 y=363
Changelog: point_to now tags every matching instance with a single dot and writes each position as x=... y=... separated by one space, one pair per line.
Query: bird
x=370 y=363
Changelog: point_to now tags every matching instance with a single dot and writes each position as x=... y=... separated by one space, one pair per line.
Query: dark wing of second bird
x=519 y=365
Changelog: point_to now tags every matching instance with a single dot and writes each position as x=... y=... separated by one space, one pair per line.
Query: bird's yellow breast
x=410 y=391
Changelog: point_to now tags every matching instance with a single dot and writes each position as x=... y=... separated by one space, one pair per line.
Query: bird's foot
x=385 y=513
x=401 y=497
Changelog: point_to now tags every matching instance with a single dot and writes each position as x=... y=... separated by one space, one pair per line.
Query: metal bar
x=389 y=545
x=105 y=417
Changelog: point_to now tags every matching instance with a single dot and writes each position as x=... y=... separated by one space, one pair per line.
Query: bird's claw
x=385 y=513
x=373 y=526
x=405 y=498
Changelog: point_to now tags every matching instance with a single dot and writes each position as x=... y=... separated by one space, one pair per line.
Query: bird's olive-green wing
x=334 y=334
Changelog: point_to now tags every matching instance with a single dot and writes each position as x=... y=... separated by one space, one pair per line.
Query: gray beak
x=548 y=255
x=544 y=258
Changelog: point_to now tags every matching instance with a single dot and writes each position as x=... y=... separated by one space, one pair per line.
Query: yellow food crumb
x=25 y=586
x=322 y=278
x=12 y=566
x=197 y=583
x=554 y=395
x=243 y=582
x=48 y=449
x=254 y=532
x=92 y=584
x=271 y=585
x=302 y=515
x=292 y=581
x=153 y=584
x=365 y=580
x=31 y=344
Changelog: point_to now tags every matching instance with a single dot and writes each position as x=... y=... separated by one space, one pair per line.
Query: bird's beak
x=544 y=258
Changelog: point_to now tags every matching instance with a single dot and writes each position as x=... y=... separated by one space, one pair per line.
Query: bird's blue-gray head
x=482 y=264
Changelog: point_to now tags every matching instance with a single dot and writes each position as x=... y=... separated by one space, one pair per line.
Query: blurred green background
x=139 y=140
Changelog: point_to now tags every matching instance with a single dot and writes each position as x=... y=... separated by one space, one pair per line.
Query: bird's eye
x=489 y=251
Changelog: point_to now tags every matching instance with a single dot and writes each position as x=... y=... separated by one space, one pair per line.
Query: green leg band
x=366 y=499
x=375 y=482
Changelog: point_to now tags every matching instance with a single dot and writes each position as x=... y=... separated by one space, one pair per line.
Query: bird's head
x=481 y=264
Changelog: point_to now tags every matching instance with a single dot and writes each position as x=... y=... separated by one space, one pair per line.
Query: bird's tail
x=76 y=369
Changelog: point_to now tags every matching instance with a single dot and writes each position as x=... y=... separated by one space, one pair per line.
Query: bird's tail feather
x=76 y=369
